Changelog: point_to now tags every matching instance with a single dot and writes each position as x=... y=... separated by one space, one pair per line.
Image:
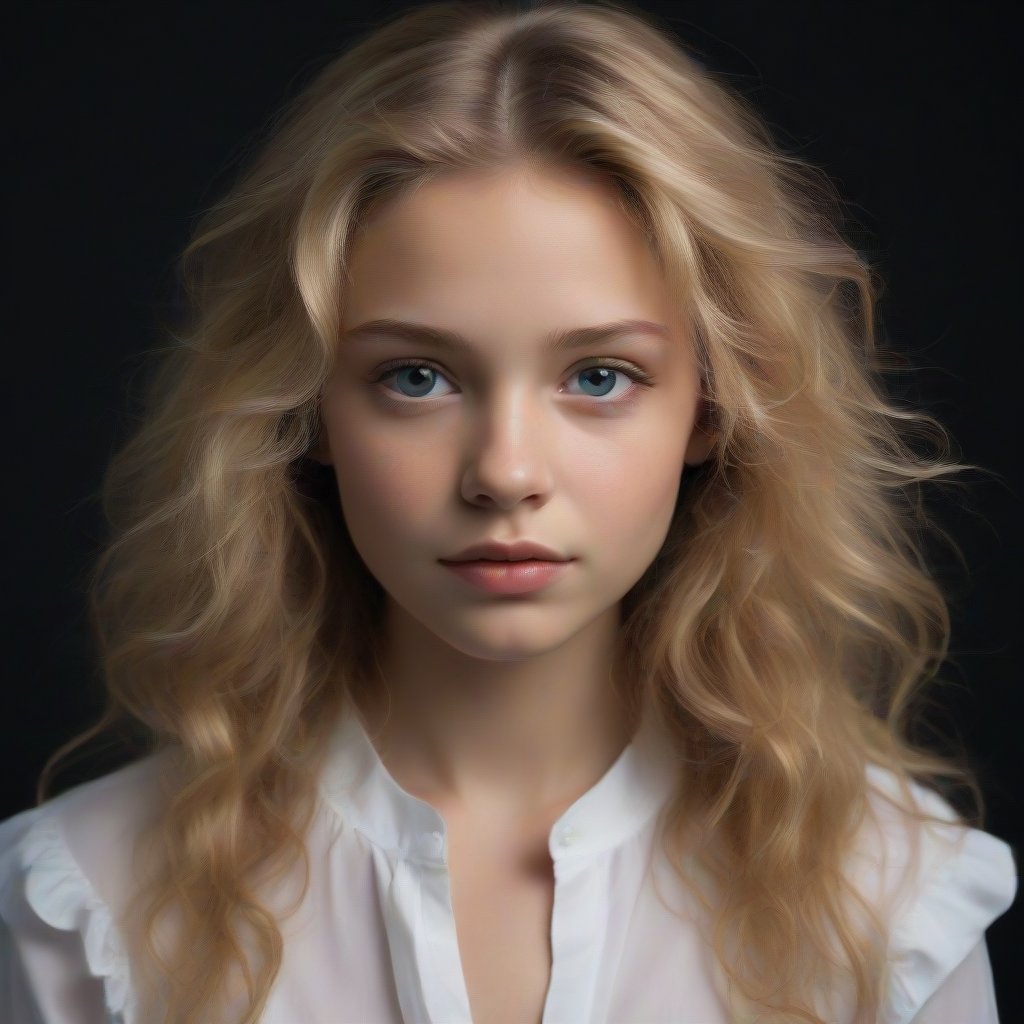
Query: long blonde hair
x=232 y=612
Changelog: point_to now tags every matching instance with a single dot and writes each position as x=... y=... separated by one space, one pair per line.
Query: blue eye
x=602 y=377
x=420 y=381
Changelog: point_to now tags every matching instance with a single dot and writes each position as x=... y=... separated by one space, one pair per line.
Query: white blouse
x=374 y=940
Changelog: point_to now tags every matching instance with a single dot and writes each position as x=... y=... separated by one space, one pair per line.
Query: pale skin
x=503 y=711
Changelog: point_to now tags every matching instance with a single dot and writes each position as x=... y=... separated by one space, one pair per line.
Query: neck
x=508 y=736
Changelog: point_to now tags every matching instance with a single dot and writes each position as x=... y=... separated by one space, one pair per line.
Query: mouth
x=509 y=576
x=522 y=550
x=506 y=561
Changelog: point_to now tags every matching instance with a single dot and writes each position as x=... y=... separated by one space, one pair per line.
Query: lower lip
x=509 y=577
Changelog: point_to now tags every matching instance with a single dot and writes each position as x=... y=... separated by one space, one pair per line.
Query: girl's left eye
x=602 y=377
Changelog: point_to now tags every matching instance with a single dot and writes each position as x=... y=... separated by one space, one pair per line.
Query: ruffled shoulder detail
x=39 y=867
x=966 y=879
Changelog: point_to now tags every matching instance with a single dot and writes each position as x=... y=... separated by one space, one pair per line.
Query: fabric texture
x=374 y=941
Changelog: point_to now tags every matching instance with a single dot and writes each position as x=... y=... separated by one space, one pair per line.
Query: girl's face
x=510 y=437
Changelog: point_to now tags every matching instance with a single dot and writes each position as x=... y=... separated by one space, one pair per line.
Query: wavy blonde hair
x=790 y=595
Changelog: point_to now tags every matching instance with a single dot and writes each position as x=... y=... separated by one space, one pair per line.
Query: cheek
x=632 y=483
x=382 y=479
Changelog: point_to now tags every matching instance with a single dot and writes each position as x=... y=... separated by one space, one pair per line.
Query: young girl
x=517 y=583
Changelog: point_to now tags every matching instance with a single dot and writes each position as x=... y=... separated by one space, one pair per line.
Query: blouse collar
x=359 y=787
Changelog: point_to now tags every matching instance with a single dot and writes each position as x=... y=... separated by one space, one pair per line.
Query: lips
x=523 y=576
x=516 y=551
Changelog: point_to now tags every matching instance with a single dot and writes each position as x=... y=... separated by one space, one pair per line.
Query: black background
x=125 y=120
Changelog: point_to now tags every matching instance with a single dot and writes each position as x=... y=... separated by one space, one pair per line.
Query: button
x=429 y=845
x=568 y=836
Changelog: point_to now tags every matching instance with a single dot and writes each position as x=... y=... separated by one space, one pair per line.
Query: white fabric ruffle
x=947 y=918
x=966 y=879
x=57 y=891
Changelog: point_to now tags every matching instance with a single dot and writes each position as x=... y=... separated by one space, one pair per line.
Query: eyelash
x=639 y=377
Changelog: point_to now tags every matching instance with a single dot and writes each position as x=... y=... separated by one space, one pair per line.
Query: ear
x=702 y=439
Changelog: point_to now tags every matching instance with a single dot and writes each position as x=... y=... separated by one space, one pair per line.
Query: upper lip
x=517 y=551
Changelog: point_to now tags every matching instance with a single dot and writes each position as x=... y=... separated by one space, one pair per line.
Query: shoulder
x=940 y=885
x=67 y=866
x=94 y=825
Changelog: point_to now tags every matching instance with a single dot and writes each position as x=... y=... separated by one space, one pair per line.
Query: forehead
x=510 y=242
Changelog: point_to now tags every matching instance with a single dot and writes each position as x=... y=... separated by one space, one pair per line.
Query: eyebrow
x=561 y=340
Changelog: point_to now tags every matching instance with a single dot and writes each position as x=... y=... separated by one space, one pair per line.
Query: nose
x=510 y=449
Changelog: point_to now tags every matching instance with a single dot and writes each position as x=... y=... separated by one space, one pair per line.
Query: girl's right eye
x=420 y=381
